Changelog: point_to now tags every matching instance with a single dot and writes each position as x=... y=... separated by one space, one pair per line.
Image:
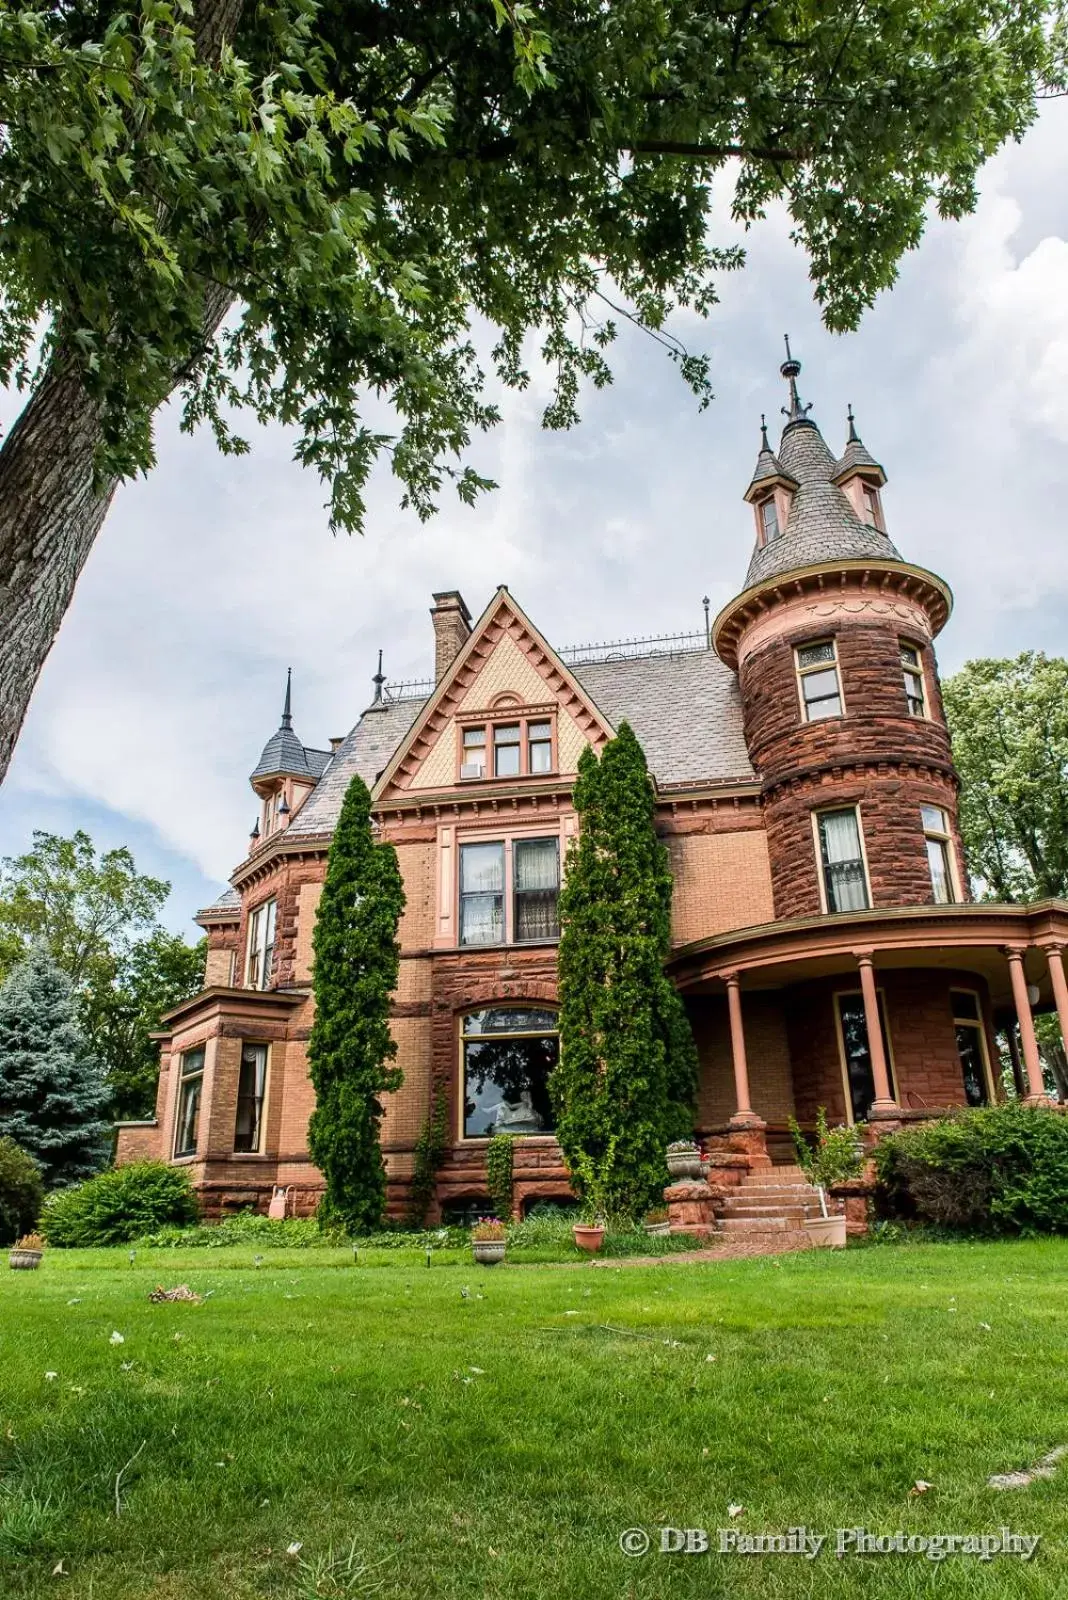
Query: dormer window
x=769 y=520
x=514 y=746
x=873 y=509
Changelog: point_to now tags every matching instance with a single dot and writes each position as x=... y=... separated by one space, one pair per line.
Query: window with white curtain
x=260 y=958
x=842 y=859
x=251 y=1087
x=482 y=893
x=536 y=889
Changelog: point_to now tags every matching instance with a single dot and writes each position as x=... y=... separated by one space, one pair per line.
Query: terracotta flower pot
x=588 y=1237
x=488 y=1251
x=830 y=1232
x=27 y=1260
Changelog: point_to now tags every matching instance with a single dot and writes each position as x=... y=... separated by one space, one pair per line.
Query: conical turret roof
x=283 y=755
x=856 y=457
x=768 y=466
x=822 y=525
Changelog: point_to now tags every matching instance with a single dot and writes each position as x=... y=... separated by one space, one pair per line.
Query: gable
x=504 y=664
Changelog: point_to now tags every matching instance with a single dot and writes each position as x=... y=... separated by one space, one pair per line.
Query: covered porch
x=879 y=1016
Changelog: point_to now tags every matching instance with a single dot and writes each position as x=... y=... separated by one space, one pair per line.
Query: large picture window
x=260 y=945
x=845 y=881
x=251 y=1086
x=507 y=1056
x=971 y=1046
x=190 y=1093
x=856 y=1052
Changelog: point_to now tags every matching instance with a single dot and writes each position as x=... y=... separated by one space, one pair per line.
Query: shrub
x=500 y=1154
x=996 y=1168
x=21 y=1191
x=835 y=1154
x=119 y=1205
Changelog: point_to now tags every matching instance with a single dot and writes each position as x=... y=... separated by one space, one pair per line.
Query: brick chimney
x=452 y=626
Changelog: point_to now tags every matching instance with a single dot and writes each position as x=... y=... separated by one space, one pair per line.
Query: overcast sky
x=214 y=575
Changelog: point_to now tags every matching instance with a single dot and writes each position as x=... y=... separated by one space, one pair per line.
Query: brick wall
x=721 y=881
x=875 y=755
x=767 y=1055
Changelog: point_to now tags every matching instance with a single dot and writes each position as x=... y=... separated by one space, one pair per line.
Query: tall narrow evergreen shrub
x=52 y=1088
x=357 y=959
x=627 y=1075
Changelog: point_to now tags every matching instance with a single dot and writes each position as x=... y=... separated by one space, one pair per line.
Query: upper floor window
x=190 y=1091
x=873 y=508
x=517 y=747
x=937 y=837
x=509 y=891
x=508 y=1056
x=817 y=674
x=251 y=1086
x=845 y=880
x=769 y=520
x=912 y=668
x=260 y=956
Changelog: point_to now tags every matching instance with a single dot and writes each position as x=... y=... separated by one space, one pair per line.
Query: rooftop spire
x=378 y=679
x=790 y=369
x=854 y=436
x=764 y=445
x=287 y=709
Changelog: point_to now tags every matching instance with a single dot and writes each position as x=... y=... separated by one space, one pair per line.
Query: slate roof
x=366 y=751
x=283 y=754
x=229 y=900
x=857 y=454
x=822 y=525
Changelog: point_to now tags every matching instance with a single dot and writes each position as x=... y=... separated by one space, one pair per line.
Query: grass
x=416 y=1440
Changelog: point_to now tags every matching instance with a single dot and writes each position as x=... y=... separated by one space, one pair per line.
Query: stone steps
x=770 y=1206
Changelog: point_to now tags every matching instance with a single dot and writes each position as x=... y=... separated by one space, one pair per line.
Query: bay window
x=507 y=1056
x=190 y=1093
x=845 y=881
x=251 y=1085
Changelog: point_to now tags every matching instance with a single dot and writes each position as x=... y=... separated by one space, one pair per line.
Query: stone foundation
x=691 y=1206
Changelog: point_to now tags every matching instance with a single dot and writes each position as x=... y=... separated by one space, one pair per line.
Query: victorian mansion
x=824 y=939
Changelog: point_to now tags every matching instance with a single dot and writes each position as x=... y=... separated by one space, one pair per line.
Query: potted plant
x=488 y=1239
x=593 y=1179
x=836 y=1153
x=26 y=1252
x=656 y=1222
x=684 y=1160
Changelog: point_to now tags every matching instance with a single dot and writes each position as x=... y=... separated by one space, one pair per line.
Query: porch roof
x=973 y=938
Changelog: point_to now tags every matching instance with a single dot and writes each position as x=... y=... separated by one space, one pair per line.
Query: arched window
x=507 y=1054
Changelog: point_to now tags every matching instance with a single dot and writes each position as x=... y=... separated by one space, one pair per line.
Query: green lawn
x=418 y=1441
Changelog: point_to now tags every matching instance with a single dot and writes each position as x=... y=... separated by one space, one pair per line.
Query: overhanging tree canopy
x=360 y=179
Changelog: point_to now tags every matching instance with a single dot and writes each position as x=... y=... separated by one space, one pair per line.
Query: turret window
x=937 y=837
x=912 y=667
x=845 y=880
x=769 y=519
x=873 y=510
x=260 y=957
x=817 y=672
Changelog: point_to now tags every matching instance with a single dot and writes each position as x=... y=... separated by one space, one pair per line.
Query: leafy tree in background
x=96 y=914
x=357 y=960
x=625 y=1082
x=21 y=1191
x=361 y=181
x=1009 y=721
x=154 y=974
x=52 y=1089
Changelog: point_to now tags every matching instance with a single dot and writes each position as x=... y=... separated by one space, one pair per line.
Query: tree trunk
x=51 y=514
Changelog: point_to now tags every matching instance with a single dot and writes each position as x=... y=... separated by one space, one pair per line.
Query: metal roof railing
x=664 y=644
x=408 y=689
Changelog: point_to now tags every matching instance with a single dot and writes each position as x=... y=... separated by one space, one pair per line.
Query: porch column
x=884 y=1100
x=1055 y=957
x=1036 y=1089
x=745 y=1112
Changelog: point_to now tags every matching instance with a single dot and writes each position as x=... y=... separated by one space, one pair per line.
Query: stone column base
x=691 y=1206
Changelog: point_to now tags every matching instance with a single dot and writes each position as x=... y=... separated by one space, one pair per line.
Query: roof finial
x=854 y=437
x=706 y=602
x=764 y=445
x=790 y=369
x=287 y=716
x=378 y=679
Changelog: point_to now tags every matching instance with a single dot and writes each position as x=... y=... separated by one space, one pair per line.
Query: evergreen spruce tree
x=627 y=1074
x=52 y=1088
x=357 y=960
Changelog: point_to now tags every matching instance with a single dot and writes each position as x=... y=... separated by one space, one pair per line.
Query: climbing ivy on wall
x=430 y=1151
x=499 y=1161
x=627 y=1074
x=357 y=959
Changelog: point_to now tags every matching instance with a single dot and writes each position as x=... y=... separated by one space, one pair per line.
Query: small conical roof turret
x=856 y=457
x=768 y=470
x=283 y=755
x=823 y=525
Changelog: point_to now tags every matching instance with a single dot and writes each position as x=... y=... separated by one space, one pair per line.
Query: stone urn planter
x=684 y=1162
x=26 y=1253
x=828 y=1232
x=488 y=1252
x=658 y=1230
x=589 y=1236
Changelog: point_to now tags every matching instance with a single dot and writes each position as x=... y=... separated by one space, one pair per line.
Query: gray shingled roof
x=768 y=466
x=366 y=751
x=229 y=900
x=284 y=755
x=857 y=454
x=822 y=525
